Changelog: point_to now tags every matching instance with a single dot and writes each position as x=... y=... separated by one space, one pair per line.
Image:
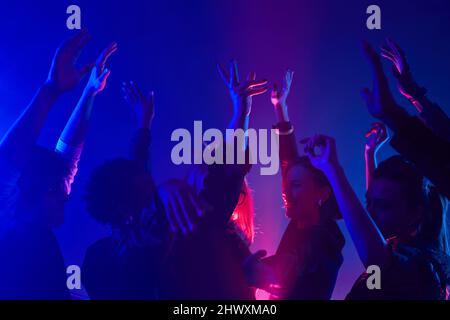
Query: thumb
x=104 y=76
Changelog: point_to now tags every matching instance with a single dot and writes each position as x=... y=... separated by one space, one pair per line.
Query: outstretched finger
x=104 y=76
x=199 y=208
x=104 y=56
x=255 y=91
x=387 y=54
x=187 y=211
x=288 y=79
x=371 y=55
x=136 y=91
x=393 y=47
x=251 y=76
x=170 y=216
x=223 y=74
x=256 y=83
x=178 y=216
x=77 y=45
x=74 y=41
x=234 y=73
x=130 y=93
x=151 y=98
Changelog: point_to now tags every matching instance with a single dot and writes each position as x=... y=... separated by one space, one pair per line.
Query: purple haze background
x=172 y=46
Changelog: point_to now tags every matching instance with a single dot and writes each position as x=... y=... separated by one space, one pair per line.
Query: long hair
x=433 y=227
x=112 y=197
x=243 y=215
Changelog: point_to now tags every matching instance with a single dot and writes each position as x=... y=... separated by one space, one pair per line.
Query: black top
x=206 y=264
x=411 y=274
x=35 y=268
x=308 y=260
x=113 y=272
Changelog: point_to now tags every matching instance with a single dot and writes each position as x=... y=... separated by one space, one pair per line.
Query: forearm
x=370 y=160
x=420 y=145
x=288 y=145
x=75 y=132
x=18 y=142
x=239 y=121
x=140 y=148
x=369 y=242
x=434 y=118
x=281 y=113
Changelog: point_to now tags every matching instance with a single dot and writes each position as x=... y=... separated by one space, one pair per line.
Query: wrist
x=394 y=117
x=241 y=110
x=240 y=116
x=90 y=92
x=333 y=169
x=368 y=150
x=281 y=112
x=146 y=121
x=145 y=124
x=51 y=89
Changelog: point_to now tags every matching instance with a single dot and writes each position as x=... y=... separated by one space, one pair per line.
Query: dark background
x=172 y=47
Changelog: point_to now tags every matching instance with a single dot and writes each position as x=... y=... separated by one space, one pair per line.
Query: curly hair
x=112 y=196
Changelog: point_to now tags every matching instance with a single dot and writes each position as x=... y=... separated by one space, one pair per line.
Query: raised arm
x=17 y=144
x=288 y=145
x=430 y=113
x=75 y=132
x=241 y=94
x=414 y=140
x=223 y=182
x=369 y=242
x=376 y=137
x=144 y=107
x=279 y=97
x=71 y=142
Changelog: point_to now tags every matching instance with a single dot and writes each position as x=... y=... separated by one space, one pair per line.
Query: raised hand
x=376 y=136
x=401 y=71
x=242 y=92
x=380 y=101
x=321 y=151
x=100 y=73
x=143 y=104
x=64 y=75
x=182 y=206
x=279 y=96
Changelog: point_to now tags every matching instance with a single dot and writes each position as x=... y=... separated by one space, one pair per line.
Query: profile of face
x=302 y=194
x=390 y=207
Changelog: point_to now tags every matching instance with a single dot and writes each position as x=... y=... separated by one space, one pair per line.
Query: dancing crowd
x=190 y=238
